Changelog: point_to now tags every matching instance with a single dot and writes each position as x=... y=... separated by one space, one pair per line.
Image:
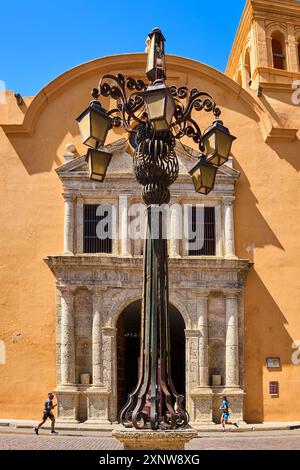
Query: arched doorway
x=128 y=350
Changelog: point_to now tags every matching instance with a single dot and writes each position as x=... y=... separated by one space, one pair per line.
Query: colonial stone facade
x=93 y=290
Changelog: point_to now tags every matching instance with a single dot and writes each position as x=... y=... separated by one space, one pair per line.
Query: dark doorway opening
x=128 y=350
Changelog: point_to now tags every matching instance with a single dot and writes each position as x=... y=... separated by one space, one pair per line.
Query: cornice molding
x=58 y=262
x=279 y=135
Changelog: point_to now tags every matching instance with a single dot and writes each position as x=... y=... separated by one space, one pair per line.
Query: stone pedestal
x=235 y=396
x=202 y=399
x=67 y=404
x=97 y=406
x=154 y=440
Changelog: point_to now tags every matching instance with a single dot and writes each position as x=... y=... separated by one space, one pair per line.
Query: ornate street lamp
x=155 y=116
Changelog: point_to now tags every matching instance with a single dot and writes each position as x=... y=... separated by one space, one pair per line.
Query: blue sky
x=41 y=39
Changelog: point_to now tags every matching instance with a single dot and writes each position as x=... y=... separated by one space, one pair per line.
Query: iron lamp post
x=155 y=116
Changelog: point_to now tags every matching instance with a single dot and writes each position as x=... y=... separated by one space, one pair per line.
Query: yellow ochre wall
x=32 y=144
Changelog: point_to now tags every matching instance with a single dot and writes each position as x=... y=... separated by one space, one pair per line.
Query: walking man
x=47 y=413
x=225 y=415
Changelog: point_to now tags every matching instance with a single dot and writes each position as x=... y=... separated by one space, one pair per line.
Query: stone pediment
x=121 y=163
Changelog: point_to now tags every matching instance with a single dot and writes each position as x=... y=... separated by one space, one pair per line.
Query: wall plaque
x=273 y=362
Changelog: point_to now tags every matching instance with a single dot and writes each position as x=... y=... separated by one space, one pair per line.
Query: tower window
x=278 y=54
x=248 y=68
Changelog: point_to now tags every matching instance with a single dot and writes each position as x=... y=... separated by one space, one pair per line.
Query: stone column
x=292 y=49
x=109 y=349
x=67 y=337
x=229 y=227
x=175 y=231
x=232 y=339
x=200 y=392
x=192 y=363
x=69 y=224
x=202 y=314
x=123 y=226
x=260 y=44
x=269 y=51
x=97 y=339
x=99 y=395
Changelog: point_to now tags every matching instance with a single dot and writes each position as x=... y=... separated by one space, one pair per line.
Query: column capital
x=228 y=200
x=66 y=289
x=69 y=197
x=200 y=292
x=109 y=331
x=231 y=293
x=203 y=293
x=98 y=290
x=192 y=333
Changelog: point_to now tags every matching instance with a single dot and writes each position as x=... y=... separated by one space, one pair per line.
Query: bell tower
x=266 y=49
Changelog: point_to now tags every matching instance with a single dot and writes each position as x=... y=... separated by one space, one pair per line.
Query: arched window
x=248 y=71
x=278 y=52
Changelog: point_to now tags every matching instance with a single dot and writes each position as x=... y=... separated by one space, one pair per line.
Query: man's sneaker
x=36 y=431
x=223 y=430
x=236 y=425
x=54 y=433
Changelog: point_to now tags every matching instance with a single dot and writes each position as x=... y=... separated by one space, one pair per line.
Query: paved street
x=267 y=440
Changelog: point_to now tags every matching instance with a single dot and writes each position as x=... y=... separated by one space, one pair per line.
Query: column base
x=154 y=440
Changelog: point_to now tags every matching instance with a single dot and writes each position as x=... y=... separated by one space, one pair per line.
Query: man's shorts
x=225 y=416
x=47 y=414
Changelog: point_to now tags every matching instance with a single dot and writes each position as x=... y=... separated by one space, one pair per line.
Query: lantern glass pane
x=224 y=144
x=156 y=106
x=170 y=109
x=196 y=177
x=210 y=144
x=151 y=55
x=85 y=127
x=100 y=126
x=208 y=176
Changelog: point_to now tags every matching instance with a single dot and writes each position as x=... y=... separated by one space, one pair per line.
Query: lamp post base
x=155 y=440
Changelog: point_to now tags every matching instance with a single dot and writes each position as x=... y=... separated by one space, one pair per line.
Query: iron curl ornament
x=155 y=117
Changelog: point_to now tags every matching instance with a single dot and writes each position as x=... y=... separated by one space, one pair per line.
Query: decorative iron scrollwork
x=130 y=110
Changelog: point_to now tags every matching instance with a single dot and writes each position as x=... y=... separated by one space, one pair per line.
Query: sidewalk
x=18 y=425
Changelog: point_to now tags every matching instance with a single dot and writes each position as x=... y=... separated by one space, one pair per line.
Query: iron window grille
x=208 y=245
x=91 y=242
